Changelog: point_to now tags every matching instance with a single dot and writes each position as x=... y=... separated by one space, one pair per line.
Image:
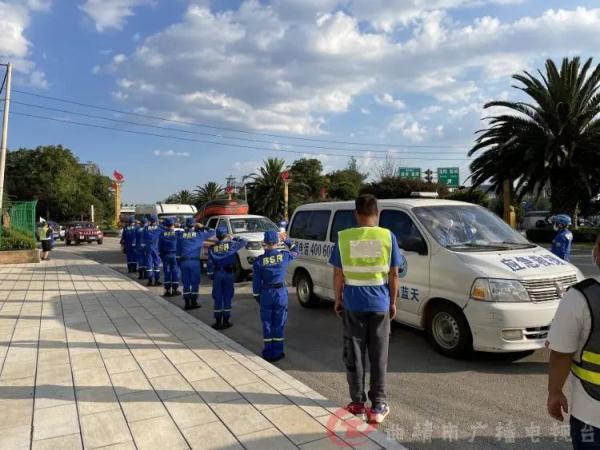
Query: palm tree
x=183 y=197
x=265 y=194
x=550 y=141
x=208 y=192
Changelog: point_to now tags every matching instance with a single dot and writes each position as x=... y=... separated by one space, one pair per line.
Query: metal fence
x=22 y=216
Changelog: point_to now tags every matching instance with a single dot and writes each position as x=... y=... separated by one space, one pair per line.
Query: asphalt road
x=489 y=402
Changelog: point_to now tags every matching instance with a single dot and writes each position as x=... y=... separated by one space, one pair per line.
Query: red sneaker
x=358 y=410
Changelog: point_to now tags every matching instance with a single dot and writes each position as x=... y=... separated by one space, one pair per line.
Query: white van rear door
x=414 y=288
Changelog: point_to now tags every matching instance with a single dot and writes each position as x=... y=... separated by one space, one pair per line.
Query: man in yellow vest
x=574 y=343
x=367 y=262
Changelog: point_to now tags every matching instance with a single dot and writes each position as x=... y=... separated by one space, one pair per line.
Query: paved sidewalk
x=92 y=359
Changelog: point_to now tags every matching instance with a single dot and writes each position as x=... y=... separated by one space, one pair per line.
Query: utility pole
x=510 y=216
x=92 y=213
x=4 y=140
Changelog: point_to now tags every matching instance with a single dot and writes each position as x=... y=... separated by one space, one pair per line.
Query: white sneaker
x=379 y=412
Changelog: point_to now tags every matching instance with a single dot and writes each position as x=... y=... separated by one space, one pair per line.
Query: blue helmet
x=561 y=219
x=271 y=237
x=190 y=221
x=131 y=219
x=144 y=221
x=222 y=232
x=168 y=222
x=153 y=218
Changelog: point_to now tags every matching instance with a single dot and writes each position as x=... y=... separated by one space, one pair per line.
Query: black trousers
x=366 y=334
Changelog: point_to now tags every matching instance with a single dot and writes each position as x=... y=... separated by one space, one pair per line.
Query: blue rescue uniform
x=167 y=245
x=128 y=239
x=189 y=248
x=150 y=238
x=561 y=245
x=221 y=265
x=140 y=250
x=269 y=285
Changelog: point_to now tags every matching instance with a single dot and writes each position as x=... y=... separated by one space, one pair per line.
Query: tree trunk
x=563 y=195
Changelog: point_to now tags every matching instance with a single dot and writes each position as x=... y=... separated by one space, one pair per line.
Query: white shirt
x=568 y=334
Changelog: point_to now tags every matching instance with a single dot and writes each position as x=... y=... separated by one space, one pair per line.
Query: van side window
x=342 y=220
x=400 y=223
x=310 y=225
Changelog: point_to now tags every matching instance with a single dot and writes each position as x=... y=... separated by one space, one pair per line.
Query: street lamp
x=250 y=176
x=285 y=176
x=4 y=138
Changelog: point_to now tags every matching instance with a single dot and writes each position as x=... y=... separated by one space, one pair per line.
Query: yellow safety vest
x=588 y=369
x=366 y=254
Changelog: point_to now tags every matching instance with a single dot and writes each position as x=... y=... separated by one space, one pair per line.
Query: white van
x=246 y=226
x=472 y=281
x=163 y=210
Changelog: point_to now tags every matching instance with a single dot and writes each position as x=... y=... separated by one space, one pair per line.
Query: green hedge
x=13 y=239
x=545 y=235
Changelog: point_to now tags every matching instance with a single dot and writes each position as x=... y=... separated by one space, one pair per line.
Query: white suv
x=246 y=226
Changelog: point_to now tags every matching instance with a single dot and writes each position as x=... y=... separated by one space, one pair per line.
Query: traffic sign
x=410 y=173
x=448 y=176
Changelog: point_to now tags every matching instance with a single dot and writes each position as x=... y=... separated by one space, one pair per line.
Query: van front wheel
x=448 y=331
x=304 y=291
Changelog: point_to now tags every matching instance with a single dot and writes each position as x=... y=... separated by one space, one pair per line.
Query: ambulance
x=473 y=283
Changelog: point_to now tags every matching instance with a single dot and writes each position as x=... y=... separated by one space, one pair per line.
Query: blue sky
x=396 y=75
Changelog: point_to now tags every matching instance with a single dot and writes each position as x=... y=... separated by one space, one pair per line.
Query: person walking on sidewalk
x=128 y=239
x=221 y=268
x=270 y=291
x=574 y=342
x=366 y=263
x=189 y=248
x=44 y=234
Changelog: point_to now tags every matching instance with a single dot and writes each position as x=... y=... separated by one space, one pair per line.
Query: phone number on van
x=314 y=249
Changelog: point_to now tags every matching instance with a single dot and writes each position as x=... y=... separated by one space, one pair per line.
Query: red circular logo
x=345 y=431
x=285 y=175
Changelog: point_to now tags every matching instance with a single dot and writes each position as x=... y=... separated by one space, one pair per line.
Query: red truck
x=78 y=232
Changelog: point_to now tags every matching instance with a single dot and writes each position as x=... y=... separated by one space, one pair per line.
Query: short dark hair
x=366 y=205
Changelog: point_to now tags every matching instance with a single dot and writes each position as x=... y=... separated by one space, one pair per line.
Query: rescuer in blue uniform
x=167 y=246
x=128 y=240
x=561 y=245
x=268 y=287
x=221 y=269
x=140 y=249
x=189 y=248
x=151 y=237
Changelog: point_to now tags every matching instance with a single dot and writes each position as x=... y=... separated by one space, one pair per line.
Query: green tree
x=307 y=178
x=208 y=192
x=183 y=197
x=550 y=140
x=53 y=176
x=346 y=184
x=476 y=196
x=396 y=187
x=265 y=194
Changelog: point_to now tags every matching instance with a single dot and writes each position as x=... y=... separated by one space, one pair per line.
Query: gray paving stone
x=215 y=390
x=157 y=367
x=190 y=411
x=241 y=417
x=94 y=400
x=159 y=432
x=296 y=424
x=142 y=405
x=120 y=364
x=105 y=428
x=270 y=439
x=56 y=421
x=70 y=442
x=211 y=436
x=128 y=382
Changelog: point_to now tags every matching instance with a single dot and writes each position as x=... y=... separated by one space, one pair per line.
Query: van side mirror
x=416 y=245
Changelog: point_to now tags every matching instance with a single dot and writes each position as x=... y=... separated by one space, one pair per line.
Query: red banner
x=118 y=176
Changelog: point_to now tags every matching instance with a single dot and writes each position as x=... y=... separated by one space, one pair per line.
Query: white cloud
x=292 y=65
x=108 y=14
x=96 y=70
x=15 y=19
x=408 y=127
x=389 y=100
x=365 y=111
x=120 y=58
x=170 y=153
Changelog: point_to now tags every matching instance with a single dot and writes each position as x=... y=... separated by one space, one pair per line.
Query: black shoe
x=277 y=358
x=140 y=276
x=167 y=293
x=187 y=304
x=157 y=283
x=195 y=305
x=218 y=325
x=176 y=293
x=226 y=324
x=150 y=282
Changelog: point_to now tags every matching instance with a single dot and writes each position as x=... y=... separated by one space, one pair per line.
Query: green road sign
x=409 y=173
x=448 y=176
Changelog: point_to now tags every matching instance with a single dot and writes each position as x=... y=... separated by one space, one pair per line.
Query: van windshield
x=252 y=224
x=177 y=218
x=466 y=227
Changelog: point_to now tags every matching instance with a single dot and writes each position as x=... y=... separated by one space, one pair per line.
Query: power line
x=200 y=133
x=234 y=130
x=226 y=144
